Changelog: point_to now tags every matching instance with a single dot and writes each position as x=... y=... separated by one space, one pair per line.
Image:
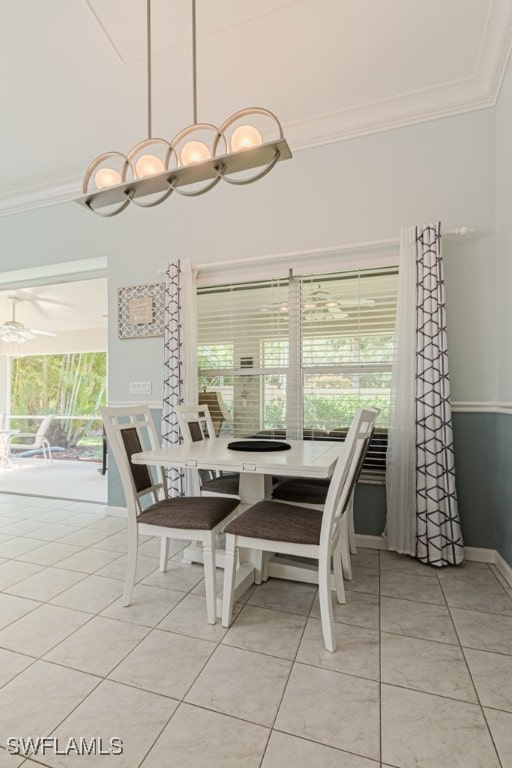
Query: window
x=299 y=356
x=71 y=386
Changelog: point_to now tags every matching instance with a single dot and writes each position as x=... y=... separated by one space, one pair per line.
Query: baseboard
x=116 y=511
x=480 y=555
x=370 y=542
x=503 y=567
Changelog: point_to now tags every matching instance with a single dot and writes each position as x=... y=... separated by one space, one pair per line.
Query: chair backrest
x=42 y=430
x=129 y=430
x=346 y=472
x=195 y=423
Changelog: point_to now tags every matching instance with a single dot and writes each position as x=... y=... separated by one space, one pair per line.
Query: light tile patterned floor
x=422 y=677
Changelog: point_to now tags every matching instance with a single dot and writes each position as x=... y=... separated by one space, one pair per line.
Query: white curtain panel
x=180 y=357
x=422 y=516
x=400 y=530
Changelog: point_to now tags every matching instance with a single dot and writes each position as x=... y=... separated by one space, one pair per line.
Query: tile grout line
x=482 y=711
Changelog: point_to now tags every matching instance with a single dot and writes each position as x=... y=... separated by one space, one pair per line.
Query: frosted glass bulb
x=148 y=165
x=194 y=152
x=245 y=137
x=106 y=177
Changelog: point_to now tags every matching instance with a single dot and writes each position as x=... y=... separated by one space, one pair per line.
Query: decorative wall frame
x=140 y=311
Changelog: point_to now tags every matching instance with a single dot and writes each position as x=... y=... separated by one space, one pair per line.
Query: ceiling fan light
x=245 y=137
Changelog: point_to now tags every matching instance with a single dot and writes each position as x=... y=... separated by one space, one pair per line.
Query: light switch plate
x=140 y=388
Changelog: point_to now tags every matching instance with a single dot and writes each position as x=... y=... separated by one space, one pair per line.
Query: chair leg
x=210 y=581
x=164 y=554
x=344 y=547
x=229 y=580
x=264 y=569
x=351 y=529
x=259 y=566
x=338 y=576
x=131 y=567
x=324 y=594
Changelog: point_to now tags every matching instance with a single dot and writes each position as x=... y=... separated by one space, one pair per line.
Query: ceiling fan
x=15 y=332
x=322 y=301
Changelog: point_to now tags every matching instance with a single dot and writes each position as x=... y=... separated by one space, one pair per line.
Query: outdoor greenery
x=70 y=386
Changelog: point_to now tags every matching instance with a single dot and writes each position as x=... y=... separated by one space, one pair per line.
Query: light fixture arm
x=148 y=55
x=194 y=65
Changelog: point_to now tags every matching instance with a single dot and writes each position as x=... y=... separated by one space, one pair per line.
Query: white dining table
x=305 y=458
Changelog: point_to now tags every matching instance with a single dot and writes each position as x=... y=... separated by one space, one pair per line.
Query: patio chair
x=273 y=526
x=312 y=493
x=196 y=424
x=38 y=441
x=218 y=411
x=151 y=512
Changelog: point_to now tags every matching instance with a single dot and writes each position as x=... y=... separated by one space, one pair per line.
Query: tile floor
x=422 y=677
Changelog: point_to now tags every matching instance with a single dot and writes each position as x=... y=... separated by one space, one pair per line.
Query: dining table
x=258 y=470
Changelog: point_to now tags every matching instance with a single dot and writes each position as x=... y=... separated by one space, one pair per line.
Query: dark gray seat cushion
x=223 y=484
x=278 y=522
x=197 y=512
x=312 y=491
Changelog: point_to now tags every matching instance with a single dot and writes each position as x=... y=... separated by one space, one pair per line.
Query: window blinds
x=299 y=356
x=243 y=351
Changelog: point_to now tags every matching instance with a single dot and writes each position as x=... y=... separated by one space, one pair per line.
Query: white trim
x=65 y=271
x=480 y=555
x=503 y=568
x=370 y=542
x=139 y=401
x=40 y=196
x=481 y=407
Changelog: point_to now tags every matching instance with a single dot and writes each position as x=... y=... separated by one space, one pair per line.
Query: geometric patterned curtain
x=422 y=516
x=173 y=372
x=438 y=533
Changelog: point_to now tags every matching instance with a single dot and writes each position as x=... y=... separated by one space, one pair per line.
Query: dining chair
x=196 y=424
x=151 y=512
x=274 y=526
x=32 y=441
x=312 y=493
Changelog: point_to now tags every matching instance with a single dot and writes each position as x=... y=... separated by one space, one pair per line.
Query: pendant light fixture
x=195 y=161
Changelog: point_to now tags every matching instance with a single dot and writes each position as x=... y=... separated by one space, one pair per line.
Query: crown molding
x=30 y=198
x=479 y=91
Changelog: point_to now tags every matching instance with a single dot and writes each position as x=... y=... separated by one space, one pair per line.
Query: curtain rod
x=366 y=245
x=361 y=246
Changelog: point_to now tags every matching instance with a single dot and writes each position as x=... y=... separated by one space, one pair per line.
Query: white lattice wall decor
x=140 y=311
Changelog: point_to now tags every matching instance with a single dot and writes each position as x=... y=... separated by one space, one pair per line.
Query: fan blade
x=40 y=333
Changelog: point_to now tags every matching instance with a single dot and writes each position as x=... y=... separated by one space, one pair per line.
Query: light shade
x=148 y=165
x=245 y=137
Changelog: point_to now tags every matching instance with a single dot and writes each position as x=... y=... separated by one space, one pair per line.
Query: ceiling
x=61 y=307
x=330 y=70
